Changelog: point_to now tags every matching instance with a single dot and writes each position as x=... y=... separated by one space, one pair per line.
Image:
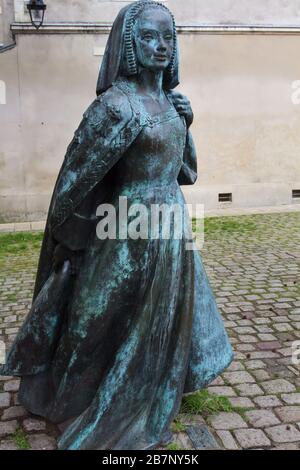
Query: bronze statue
x=121 y=328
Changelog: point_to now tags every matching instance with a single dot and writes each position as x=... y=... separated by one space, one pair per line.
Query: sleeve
x=188 y=172
x=76 y=230
x=87 y=161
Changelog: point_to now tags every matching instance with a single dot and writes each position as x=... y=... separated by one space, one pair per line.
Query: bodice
x=156 y=156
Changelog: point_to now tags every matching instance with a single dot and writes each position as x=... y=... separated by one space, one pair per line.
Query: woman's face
x=153 y=37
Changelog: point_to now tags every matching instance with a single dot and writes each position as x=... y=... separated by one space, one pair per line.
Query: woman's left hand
x=183 y=107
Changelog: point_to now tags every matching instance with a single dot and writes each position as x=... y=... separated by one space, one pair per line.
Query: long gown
x=142 y=327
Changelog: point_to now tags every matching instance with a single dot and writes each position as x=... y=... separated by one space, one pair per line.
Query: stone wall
x=247 y=130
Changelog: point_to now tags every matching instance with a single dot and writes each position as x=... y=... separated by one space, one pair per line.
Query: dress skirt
x=142 y=329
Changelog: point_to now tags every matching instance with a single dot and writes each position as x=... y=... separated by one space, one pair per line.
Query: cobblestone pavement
x=254 y=266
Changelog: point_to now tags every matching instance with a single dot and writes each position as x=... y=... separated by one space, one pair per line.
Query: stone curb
x=23 y=227
x=223 y=212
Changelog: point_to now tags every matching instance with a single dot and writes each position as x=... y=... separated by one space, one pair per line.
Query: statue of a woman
x=121 y=328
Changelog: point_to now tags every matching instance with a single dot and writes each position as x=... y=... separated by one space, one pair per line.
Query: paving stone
x=266 y=337
x=286 y=447
x=248 y=339
x=227 y=440
x=244 y=347
x=283 y=433
x=267 y=401
x=238 y=377
x=254 y=365
x=183 y=441
x=278 y=386
x=4 y=400
x=8 y=427
x=241 y=402
x=249 y=390
x=240 y=356
x=264 y=355
x=252 y=297
x=261 y=375
x=12 y=385
x=32 y=424
x=217 y=381
x=287 y=352
x=231 y=310
x=244 y=323
x=289 y=414
x=248 y=315
x=261 y=418
x=283 y=327
x=8 y=444
x=227 y=421
x=261 y=321
x=191 y=419
x=235 y=365
x=246 y=308
x=16 y=399
x=251 y=438
x=297 y=382
x=222 y=391
x=41 y=442
x=229 y=324
x=263 y=329
x=243 y=330
x=291 y=398
x=269 y=345
x=13 y=412
x=233 y=317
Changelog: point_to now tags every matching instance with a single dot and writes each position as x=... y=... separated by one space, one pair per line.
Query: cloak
x=109 y=126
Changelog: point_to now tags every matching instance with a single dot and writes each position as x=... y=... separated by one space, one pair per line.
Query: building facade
x=239 y=67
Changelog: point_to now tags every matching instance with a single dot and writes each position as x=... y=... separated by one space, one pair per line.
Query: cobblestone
x=8 y=427
x=252 y=438
x=31 y=424
x=291 y=398
x=261 y=418
x=13 y=412
x=227 y=421
x=267 y=401
x=228 y=441
x=249 y=390
x=289 y=414
x=42 y=442
x=238 y=377
x=283 y=433
x=4 y=400
x=278 y=386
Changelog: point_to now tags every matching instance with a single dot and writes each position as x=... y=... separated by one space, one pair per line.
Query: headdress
x=119 y=57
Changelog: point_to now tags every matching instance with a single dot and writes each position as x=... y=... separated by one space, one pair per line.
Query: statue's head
x=143 y=36
x=150 y=38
